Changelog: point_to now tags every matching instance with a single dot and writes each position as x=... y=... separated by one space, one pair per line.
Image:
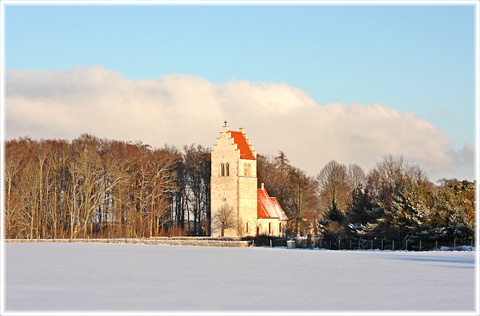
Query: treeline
x=395 y=201
x=92 y=187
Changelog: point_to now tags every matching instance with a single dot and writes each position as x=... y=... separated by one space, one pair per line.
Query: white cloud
x=182 y=109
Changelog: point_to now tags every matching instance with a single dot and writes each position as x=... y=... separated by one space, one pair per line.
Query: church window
x=228 y=169
x=270 y=227
x=247 y=170
x=222 y=173
x=280 y=227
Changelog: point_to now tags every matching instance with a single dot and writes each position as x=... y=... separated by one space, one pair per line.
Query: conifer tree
x=362 y=214
x=410 y=213
x=455 y=210
x=332 y=225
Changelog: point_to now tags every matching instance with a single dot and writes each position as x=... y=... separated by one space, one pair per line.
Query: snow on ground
x=108 y=277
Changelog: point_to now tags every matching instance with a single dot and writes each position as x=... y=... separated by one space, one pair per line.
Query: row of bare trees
x=104 y=188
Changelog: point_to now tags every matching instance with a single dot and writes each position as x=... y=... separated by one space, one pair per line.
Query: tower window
x=247 y=170
x=228 y=169
x=222 y=172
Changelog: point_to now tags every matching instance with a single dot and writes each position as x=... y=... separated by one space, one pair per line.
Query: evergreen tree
x=362 y=214
x=410 y=212
x=455 y=210
x=332 y=225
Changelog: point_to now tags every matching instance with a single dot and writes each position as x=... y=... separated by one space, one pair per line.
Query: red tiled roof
x=268 y=207
x=245 y=152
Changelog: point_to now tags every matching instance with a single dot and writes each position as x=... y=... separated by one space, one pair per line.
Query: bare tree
x=225 y=219
x=303 y=201
x=13 y=161
x=334 y=186
x=162 y=185
x=356 y=176
x=197 y=164
x=387 y=175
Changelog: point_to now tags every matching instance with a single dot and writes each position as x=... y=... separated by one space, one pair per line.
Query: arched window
x=247 y=170
x=222 y=172
x=228 y=169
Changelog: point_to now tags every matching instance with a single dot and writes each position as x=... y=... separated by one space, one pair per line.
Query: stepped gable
x=245 y=151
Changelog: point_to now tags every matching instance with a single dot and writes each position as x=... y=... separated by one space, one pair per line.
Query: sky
x=320 y=82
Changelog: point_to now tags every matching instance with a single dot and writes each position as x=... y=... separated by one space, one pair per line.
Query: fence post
x=339 y=244
x=406 y=245
x=436 y=244
x=270 y=243
x=393 y=244
x=371 y=244
x=382 y=244
x=420 y=245
x=455 y=243
x=350 y=244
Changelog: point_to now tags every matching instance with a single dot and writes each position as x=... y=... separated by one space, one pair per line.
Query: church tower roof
x=245 y=151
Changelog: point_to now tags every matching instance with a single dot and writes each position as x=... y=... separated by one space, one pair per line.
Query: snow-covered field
x=79 y=277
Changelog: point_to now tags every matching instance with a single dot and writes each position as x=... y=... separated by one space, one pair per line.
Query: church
x=240 y=208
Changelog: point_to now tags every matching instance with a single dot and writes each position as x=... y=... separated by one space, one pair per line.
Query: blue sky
x=409 y=57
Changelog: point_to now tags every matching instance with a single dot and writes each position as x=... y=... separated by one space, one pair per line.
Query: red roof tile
x=268 y=207
x=245 y=152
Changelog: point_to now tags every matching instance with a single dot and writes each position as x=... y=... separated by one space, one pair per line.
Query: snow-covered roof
x=268 y=207
x=279 y=210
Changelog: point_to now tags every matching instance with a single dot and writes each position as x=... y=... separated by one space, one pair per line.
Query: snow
x=115 y=277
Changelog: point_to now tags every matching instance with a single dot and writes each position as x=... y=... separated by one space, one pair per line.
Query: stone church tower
x=234 y=185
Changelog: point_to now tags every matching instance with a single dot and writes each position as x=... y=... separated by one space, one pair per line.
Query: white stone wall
x=238 y=189
x=277 y=227
x=248 y=205
x=224 y=189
